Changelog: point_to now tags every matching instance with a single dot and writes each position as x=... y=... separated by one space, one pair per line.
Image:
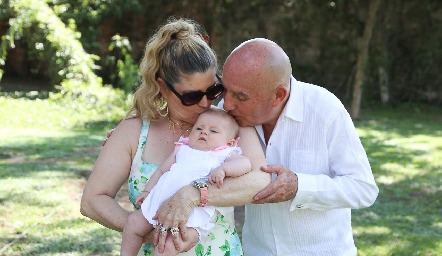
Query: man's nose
x=228 y=103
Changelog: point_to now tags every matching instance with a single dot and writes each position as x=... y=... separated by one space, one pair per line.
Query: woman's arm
x=111 y=170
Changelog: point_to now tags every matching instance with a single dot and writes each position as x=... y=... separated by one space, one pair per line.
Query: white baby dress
x=191 y=164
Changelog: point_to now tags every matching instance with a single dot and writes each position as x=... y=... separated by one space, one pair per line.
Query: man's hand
x=108 y=134
x=175 y=212
x=217 y=177
x=283 y=188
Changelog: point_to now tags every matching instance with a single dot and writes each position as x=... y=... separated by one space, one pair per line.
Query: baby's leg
x=169 y=247
x=134 y=231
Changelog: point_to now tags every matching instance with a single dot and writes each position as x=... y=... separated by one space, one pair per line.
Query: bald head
x=261 y=58
x=256 y=76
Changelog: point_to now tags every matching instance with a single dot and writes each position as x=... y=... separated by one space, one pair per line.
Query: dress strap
x=142 y=140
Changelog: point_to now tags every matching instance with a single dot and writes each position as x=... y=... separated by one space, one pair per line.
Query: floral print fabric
x=223 y=238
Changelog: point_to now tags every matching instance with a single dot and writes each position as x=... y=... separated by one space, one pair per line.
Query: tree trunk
x=383 y=85
x=363 y=59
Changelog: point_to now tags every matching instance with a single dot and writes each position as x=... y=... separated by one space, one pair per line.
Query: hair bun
x=183 y=32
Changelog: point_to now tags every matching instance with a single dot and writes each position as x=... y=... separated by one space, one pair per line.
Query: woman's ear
x=162 y=86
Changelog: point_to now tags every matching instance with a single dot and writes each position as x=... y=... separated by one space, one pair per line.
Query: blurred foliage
x=320 y=37
x=126 y=72
x=51 y=39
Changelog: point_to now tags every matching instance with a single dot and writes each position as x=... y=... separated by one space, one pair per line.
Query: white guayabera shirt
x=316 y=139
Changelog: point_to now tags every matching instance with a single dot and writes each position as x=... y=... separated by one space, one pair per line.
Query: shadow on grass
x=85 y=240
x=23 y=158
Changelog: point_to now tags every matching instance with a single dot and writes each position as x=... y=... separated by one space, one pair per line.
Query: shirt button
x=299 y=206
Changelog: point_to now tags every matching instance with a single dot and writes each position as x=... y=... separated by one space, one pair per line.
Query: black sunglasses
x=193 y=97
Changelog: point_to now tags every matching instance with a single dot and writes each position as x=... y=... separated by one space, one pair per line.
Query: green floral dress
x=223 y=238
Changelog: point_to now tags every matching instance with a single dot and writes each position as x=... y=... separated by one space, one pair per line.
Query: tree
x=361 y=64
x=37 y=22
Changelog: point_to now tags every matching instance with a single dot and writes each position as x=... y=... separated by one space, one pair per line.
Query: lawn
x=48 y=150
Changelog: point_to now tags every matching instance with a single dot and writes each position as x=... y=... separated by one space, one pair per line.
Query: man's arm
x=351 y=184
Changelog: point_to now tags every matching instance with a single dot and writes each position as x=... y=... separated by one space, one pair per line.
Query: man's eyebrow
x=241 y=94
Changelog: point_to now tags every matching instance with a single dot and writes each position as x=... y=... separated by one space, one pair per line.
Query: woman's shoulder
x=128 y=128
x=132 y=121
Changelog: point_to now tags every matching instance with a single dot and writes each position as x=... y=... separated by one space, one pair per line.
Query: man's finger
x=109 y=133
x=264 y=200
x=267 y=191
x=270 y=169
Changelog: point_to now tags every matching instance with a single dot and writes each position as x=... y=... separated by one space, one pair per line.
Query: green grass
x=404 y=145
x=48 y=149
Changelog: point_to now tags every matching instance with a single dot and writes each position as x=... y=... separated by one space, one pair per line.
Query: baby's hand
x=217 y=176
x=141 y=198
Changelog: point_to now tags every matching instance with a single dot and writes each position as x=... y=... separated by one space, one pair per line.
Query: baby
x=211 y=152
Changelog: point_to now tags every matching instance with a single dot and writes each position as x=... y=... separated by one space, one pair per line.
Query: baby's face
x=210 y=132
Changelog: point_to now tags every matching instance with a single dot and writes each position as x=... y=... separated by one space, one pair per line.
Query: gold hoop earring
x=166 y=114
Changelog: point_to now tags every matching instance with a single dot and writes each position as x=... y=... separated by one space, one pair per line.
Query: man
x=319 y=167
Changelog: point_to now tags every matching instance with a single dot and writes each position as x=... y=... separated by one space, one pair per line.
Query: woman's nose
x=204 y=102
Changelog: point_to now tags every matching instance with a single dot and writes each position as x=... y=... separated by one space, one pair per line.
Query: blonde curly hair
x=177 y=48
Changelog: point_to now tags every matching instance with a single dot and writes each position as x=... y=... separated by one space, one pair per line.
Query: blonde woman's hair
x=177 y=49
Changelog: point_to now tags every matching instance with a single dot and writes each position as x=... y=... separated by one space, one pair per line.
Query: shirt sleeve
x=350 y=183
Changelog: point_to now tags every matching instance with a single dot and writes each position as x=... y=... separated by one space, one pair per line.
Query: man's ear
x=280 y=95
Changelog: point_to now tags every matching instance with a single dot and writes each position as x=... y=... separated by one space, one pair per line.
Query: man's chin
x=241 y=122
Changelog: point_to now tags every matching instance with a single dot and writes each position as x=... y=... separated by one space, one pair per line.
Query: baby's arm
x=153 y=180
x=234 y=166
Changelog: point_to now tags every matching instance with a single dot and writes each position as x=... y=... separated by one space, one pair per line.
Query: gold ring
x=163 y=230
x=175 y=231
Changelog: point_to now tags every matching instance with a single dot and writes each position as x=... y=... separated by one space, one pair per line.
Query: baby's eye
x=213 y=131
x=198 y=129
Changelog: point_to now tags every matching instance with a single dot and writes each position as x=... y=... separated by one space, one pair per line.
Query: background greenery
x=68 y=42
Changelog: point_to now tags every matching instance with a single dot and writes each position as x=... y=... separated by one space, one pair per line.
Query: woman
x=179 y=82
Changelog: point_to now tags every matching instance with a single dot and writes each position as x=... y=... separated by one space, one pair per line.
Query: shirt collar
x=294 y=109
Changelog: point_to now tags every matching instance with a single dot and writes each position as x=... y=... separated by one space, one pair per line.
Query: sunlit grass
x=46 y=155
x=405 y=150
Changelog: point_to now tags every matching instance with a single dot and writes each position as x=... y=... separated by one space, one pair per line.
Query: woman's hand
x=175 y=212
